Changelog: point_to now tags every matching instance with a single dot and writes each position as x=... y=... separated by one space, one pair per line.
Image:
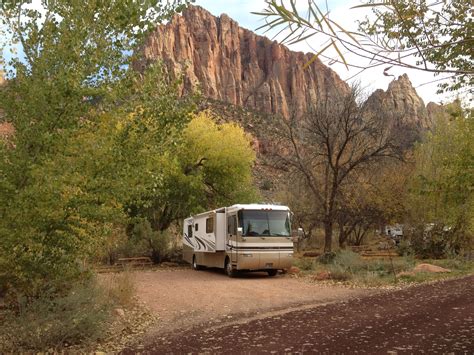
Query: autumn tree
x=60 y=187
x=210 y=167
x=442 y=185
x=328 y=146
x=371 y=199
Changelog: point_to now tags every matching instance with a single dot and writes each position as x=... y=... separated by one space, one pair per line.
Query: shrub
x=120 y=288
x=327 y=258
x=349 y=260
x=404 y=248
x=50 y=322
x=157 y=242
x=305 y=264
x=437 y=241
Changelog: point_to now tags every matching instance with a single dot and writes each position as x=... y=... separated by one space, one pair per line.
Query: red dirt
x=183 y=297
x=433 y=318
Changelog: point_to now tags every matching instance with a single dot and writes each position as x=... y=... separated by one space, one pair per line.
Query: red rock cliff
x=234 y=65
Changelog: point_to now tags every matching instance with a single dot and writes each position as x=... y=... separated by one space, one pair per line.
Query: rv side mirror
x=239 y=231
x=300 y=232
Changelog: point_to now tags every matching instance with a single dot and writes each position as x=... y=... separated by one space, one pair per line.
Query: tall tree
x=59 y=192
x=442 y=186
x=327 y=146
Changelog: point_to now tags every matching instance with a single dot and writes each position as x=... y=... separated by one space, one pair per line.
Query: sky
x=371 y=79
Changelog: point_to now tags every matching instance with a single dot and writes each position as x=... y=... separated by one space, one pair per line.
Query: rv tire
x=195 y=264
x=272 y=272
x=229 y=270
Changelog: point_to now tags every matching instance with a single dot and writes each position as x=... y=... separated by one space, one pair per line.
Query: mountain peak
x=234 y=65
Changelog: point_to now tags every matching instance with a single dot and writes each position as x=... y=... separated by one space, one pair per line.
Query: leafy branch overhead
x=438 y=35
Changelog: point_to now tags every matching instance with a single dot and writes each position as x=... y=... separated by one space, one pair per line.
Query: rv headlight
x=247 y=255
x=290 y=254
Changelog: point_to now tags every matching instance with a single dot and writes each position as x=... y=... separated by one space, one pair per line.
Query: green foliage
x=347 y=265
x=327 y=258
x=442 y=187
x=439 y=33
x=404 y=247
x=89 y=133
x=69 y=203
x=209 y=167
x=305 y=264
x=50 y=322
x=158 y=242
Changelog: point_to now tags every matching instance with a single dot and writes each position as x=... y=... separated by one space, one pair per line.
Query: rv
x=253 y=237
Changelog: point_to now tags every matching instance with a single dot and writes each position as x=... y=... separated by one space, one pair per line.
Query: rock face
x=402 y=102
x=234 y=65
x=403 y=110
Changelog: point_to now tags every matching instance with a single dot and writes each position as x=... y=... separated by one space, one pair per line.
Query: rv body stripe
x=191 y=244
x=233 y=247
x=261 y=244
x=200 y=242
x=261 y=248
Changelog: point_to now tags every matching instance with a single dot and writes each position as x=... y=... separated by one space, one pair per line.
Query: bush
x=50 y=322
x=436 y=241
x=305 y=264
x=158 y=243
x=120 y=288
x=327 y=258
x=404 y=248
x=345 y=264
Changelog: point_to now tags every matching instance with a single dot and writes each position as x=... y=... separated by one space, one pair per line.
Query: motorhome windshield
x=265 y=223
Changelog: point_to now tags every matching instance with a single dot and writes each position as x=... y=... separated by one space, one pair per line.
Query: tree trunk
x=328 y=234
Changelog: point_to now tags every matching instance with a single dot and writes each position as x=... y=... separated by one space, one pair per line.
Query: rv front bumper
x=264 y=260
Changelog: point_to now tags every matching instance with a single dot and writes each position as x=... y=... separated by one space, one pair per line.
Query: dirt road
x=184 y=297
x=433 y=318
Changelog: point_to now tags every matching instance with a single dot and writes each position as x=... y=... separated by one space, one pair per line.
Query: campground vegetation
x=106 y=160
x=102 y=157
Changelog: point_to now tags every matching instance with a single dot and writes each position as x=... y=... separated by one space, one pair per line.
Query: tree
x=61 y=186
x=439 y=35
x=210 y=167
x=372 y=199
x=442 y=184
x=328 y=146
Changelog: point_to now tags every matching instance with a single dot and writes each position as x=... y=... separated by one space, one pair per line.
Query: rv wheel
x=272 y=272
x=229 y=270
x=195 y=265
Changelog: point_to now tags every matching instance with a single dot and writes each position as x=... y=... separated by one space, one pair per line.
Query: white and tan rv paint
x=250 y=237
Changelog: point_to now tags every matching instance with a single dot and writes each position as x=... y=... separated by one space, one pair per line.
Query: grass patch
x=304 y=263
x=80 y=316
x=120 y=288
x=350 y=267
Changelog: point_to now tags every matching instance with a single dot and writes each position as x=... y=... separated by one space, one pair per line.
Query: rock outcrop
x=234 y=65
x=402 y=109
x=402 y=102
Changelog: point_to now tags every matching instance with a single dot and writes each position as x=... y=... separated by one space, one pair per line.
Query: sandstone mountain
x=234 y=65
x=401 y=101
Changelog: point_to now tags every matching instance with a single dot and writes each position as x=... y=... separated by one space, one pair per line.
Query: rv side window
x=232 y=225
x=190 y=231
x=196 y=227
x=210 y=225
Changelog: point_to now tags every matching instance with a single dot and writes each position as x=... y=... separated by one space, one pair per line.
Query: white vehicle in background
x=252 y=237
x=395 y=231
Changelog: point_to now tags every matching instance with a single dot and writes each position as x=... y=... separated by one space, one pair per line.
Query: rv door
x=232 y=237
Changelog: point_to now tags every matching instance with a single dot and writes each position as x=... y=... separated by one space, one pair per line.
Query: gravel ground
x=430 y=318
x=183 y=297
